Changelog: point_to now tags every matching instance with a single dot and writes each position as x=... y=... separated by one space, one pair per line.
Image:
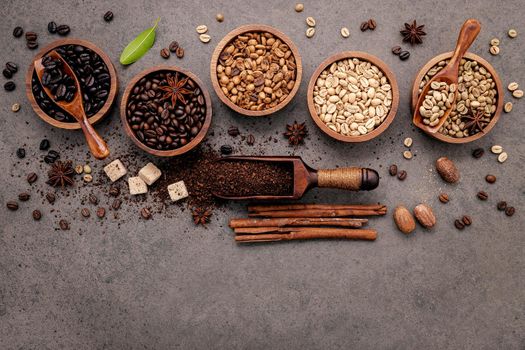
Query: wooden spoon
x=96 y=144
x=449 y=74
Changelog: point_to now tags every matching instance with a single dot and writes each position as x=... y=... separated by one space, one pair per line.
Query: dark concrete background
x=129 y=284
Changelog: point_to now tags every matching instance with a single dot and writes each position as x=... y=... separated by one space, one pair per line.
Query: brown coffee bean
x=108 y=16
x=467 y=220
x=392 y=170
x=404 y=55
x=101 y=212
x=510 y=211
x=372 y=24
x=502 y=205
x=32 y=177
x=179 y=52
x=402 y=175
x=114 y=191
x=478 y=153
x=7 y=73
x=12 y=67
x=145 y=213
x=459 y=224
x=24 y=196
x=93 y=199
x=52 y=27
x=443 y=198
x=85 y=212
x=50 y=197
x=37 y=215
x=63 y=29
x=490 y=179
x=17 y=32
x=226 y=149
x=233 y=131
x=250 y=140
x=31 y=36
x=21 y=153
x=64 y=225
x=364 y=26
x=116 y=204
x=12 y=205
x=173 y=46
x=31 y=45
x=165 y=53
x=482 y=195
x=396 y=50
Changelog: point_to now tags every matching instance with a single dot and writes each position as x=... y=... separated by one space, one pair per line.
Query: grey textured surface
x=164 y=284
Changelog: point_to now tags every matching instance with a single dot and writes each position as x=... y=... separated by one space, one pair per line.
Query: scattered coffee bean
x=443 y=198
x=31 y=36
x=93 y=199
x=87 y=178
x=114 y=191
x=145 y=213
x=407 y=154
x=478 y=153
x=205 y=38
x=372 y=24
x=345 y=33
x=52 y=27
x=64 y=225
x=12 y=205
x=24 y=196
x=85 y=212
x=310 y=21
x=508 y=107
x=63 y=29
x=37 y=214
x=502 y=205
x=32 y=177
x=116 y=204
x=219 y=17
x=233 y=131
x=101 y=212
x=503 y=157
x=12 y=67
x=467 y=220
x=79 y=169
x=9 y=86
x=392 y=170
x=494 y=50
x=310 y=32
x=250 y=140
x=7 y=73
x=51 y=157
x=396 y=50
x=404 y=55
x=512 y=33
x=496 y=149
x=364 y=26
x=108 y=16
x=490 y=179
x=31 y=45
x=21 y=153
x=482 y=195
x=174 y=45
x=87 y=169
x=44 y=145
x=226 y=149
x=15 y=107
x=179 y=52
x=402 y=175
x=459 y=224
x=299 y=7
x=165 y=53
x=17 y=32
x=50 y=197
x=510 y=211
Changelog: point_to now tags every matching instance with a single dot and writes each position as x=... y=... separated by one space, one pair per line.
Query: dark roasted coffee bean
x=24 y=196
x=31 y=45
x=364 y=26
x=64 y=225
x=179 y=52
x=108 y=16
x=372 y=24
x=482 y=195
x=404 y=55
x=31 y=36
x=510 y=211
x=226 y=149
x=50 y=197
x=7 y=73
x=145 y=213
x=63 y=29
x=459 y=224
x=116 y=204
x=478 y=153
x=37 y=214
x=52 y=27
x=9 y=86
x=114 y=191
x=502 y=205
x=250 y=140
x=392 y=170
x=17 y=32
x=402 y=175
x=12 y=67
x=12 y=205
x=490 y=179
x=101 y=212
x=32 y=177
x=49 y=159
x=85 y=212
x=443 y=198
x=173 y=46
x=165 y=53
x=44 y=145
x=93 y=199
x=396 y=50
x=21 y=153
x=467 y=220
x=233 y=131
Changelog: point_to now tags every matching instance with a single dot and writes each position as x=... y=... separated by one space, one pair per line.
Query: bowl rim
x=365 y=57
x=190 y=145
x=255 y=28
x=113 y=90
x=499 y=87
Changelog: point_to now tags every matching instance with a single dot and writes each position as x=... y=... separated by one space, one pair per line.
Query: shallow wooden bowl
x=226 y=40
x=187 y=147
x=499 y=88
x=112 y=91
x=365 y=57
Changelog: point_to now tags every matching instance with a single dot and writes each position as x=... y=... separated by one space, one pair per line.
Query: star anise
x=474 y=121
x=61 y=174
x=201 y=216
x=413 y=33
x=175 y=89
x=296 y=133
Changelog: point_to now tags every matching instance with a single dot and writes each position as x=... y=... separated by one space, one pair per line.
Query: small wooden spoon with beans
x=75 y=107
x=438 y=97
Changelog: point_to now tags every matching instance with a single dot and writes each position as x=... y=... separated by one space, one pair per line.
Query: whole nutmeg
x=425 y=216
x=447 y=170
x=404 y=220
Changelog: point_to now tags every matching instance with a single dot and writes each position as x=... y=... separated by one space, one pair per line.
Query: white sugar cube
x=115 y=170
x=177 y=191
x=137 y=186
x=150 y=173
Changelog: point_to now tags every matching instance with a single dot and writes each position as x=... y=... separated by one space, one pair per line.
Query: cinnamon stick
x=281 y=222
x=276 y=207
x=301 y=234
x=318 y=213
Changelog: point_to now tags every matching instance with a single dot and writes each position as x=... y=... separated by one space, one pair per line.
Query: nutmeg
x=404 y=220
x=425 y=216
x=447 y=170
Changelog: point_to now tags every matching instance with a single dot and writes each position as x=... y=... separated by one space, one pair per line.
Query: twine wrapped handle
x=353 y=179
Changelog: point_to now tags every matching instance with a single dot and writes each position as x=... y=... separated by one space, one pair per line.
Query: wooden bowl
x=112 y=91
x=174 y=152
x=226 y=40
x=499 y=88
x=365 y=57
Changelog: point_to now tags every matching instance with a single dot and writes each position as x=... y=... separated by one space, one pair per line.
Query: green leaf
x=139 y=46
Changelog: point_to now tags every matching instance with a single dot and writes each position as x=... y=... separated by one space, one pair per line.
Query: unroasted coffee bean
x=7 y=73
x=31 y=45
x=17 y=32
x=402 y=175
x=12 y=205
x=93 y=199
x=478 y=153
x=50 y=197
x=116 y=204
x=44 y=145
x=85 y=212
x=502 y=205
x=510 y=211
x=32 y=177
x=467 y=220
x=63 y=29
x=52 y=27
x=443 y=198
x=404 y=55
x=24 y=196
x=165 y=53
x=179 y=52
x=233 y=131
x=64 y=225
x=21 y=153
x=37 y=215
x=101 y=212
x=226 y=149
x=9 y=86
x=392 y=170
x=459 y=224
x=108 y=16
x=363 y=26
x=114 y=191
x=31 y=36
x=482 y=195
x=250 y=140
x=173 y=46
x=490 y=179
x=145 y=213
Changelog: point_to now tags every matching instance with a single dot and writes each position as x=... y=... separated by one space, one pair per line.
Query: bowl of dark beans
x=166 y=110
x=94 y=71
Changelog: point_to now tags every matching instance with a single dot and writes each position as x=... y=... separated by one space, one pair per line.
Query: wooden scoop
x=96 y=144
x=304 y=177
x=449 y=74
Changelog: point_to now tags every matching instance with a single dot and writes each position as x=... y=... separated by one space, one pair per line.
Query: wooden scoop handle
x=97 y=145
x=353 y=179
x=467 y=35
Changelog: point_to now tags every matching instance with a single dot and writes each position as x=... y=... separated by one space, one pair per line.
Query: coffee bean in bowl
x=166 y=110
